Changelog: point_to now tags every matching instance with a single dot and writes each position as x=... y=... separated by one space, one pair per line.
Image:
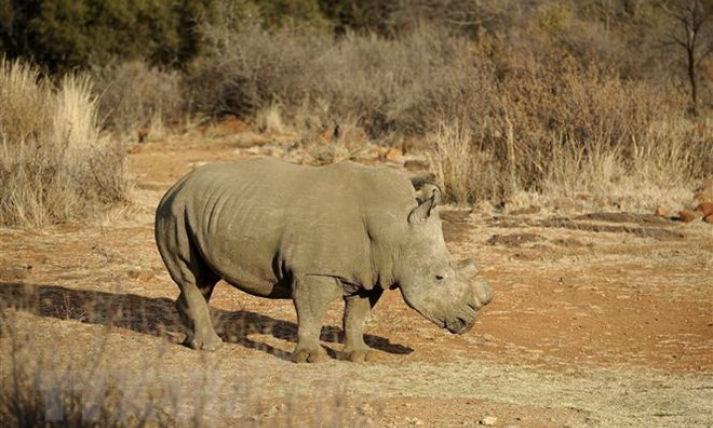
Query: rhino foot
x=211 y=343
x=304 y=355
x=365 y=355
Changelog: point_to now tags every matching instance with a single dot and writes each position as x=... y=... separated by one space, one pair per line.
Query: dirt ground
x=602 y=320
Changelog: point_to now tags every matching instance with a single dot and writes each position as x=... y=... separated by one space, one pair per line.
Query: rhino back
x=257 y=221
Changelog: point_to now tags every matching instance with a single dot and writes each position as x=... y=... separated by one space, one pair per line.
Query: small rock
x=414 y=145
x=661 y=211
x=687 y=216
x=327 y=136
x=489 y=420
x=393 y=153
x=366 y=410
x=197 y=164
x=709 y=219
x=706 y=208
x=143 y=133
x=141 y=275
x=414 y=421
x=371 y=151
x=705 y=192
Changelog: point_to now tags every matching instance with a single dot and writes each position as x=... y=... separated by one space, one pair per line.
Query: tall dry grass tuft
x=54 y=165
x=467 y=171
x=269 y=120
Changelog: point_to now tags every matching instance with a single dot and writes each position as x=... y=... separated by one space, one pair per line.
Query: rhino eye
x=440 y=277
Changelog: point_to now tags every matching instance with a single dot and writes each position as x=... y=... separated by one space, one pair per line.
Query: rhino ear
x=418 y=181
x=426 y=192
x=423 y=211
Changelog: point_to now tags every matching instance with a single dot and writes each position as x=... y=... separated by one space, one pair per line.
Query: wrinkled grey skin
x=312 y=234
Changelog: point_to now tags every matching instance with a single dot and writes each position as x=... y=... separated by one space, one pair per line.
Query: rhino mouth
x=458 y=325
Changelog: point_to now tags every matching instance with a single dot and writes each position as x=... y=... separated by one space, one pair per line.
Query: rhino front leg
x=356 y=311
x=312 y=296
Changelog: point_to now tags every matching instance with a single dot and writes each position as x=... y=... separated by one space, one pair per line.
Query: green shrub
x=65 y=34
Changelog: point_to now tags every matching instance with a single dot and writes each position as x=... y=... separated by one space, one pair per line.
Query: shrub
x=531 y=112
x=381 y=82
x=253 y=70
x=54 y=165
x=63 y=35
x=131 y=95
x=568 y=130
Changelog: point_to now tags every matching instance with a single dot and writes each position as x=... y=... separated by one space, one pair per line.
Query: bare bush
x=54 y=165
x=388 y=85
x=131 y=95
x=85 y=385
x=253 y=70
x=538 y=110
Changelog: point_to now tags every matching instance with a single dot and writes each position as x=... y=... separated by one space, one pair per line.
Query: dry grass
x=639 y=176
x=94 y=387
x=54 y=165
x=101 y=387
x=269 y=120
x=466 y=173
x=41 y=391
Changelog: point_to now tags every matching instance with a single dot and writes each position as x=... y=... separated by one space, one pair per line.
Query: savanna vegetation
x=540 y=96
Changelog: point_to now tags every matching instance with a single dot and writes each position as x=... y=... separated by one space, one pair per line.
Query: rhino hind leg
x=196 y=282
x=192 y=306
x=356 y=311
x=312 y=296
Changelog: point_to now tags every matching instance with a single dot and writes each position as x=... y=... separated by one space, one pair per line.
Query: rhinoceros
x=311 y=234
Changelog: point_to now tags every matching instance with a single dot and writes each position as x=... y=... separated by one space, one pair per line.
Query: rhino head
x=446 y=294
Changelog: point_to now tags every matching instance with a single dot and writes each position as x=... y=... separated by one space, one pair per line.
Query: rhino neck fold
x=382 y=264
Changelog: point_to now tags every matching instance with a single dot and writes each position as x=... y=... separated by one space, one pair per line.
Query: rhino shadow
x=158 y=317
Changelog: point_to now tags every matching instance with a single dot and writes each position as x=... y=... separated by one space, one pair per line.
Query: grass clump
x=54 y=164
